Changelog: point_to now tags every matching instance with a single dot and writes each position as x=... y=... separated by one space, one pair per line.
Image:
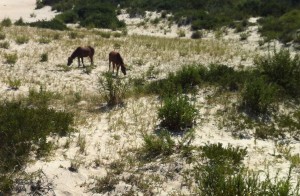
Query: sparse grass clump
x=22 y=39
x=4 y=44
x=14 y=84
x=44 y=40
x=162 y=144
x=11 y=58
x=177 y=113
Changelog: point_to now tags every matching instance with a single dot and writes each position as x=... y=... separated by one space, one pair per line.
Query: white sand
x=15 y=9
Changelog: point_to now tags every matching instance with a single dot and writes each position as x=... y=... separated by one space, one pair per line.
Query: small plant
x=11 y=58
x=113 y=90
x=177 y=113
x=81 y=142
x=40 y=98
x=22 y=39
x=44 y=40
x=14 y=84
x=6 y=22
x=44 y=57
x=105 y=184
x=4 y=44
x=181 y=33
x=158 y=145
x=244 y=36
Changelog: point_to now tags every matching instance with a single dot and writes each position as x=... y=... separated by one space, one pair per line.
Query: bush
x=258 y=95
x=183 y=80
x=283 y=70
x=54 y=24
x=6 y=22
x=20 y=22
x=225 y=76
x=197 y=35
x=113 y=90
x=24 y=131
x=44 y=57
x=177 y=113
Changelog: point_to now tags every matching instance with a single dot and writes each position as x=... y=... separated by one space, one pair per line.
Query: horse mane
x=74 y=54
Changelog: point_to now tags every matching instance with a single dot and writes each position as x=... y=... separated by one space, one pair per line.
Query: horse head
x=70 y=61
x=123 y=69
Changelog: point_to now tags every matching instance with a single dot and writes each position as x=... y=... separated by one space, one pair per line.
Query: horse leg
x=118 y=66
x=114 y=65
x=92 y=60
x=78 y=62
x=82 y=61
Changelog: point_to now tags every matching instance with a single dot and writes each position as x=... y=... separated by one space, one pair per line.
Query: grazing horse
x=81 y=52
x=116 y=60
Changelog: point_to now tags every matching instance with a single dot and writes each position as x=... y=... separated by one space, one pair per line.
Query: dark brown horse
x=81 y=52
x=116 y=60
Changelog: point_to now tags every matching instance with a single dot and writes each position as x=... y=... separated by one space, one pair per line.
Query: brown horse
x=81 y=52
x=116 y=60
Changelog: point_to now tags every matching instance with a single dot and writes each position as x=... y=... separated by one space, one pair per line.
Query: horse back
x=115 y=57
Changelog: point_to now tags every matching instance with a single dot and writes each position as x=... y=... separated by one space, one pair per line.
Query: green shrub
x=6 y=22
x=11 y=58
x=283 y=70
x=22 y=39
x=219 y=155
x=183 y=80
x=52 y=24
x=4 y=44
x=44 y=57
x=225 y=76
x=162 y=144
x=20 y=22
x=24 y=131
x=40 y=98
x=258 y=95
x=177 y=113
x=197 y=35
x=112 y=90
